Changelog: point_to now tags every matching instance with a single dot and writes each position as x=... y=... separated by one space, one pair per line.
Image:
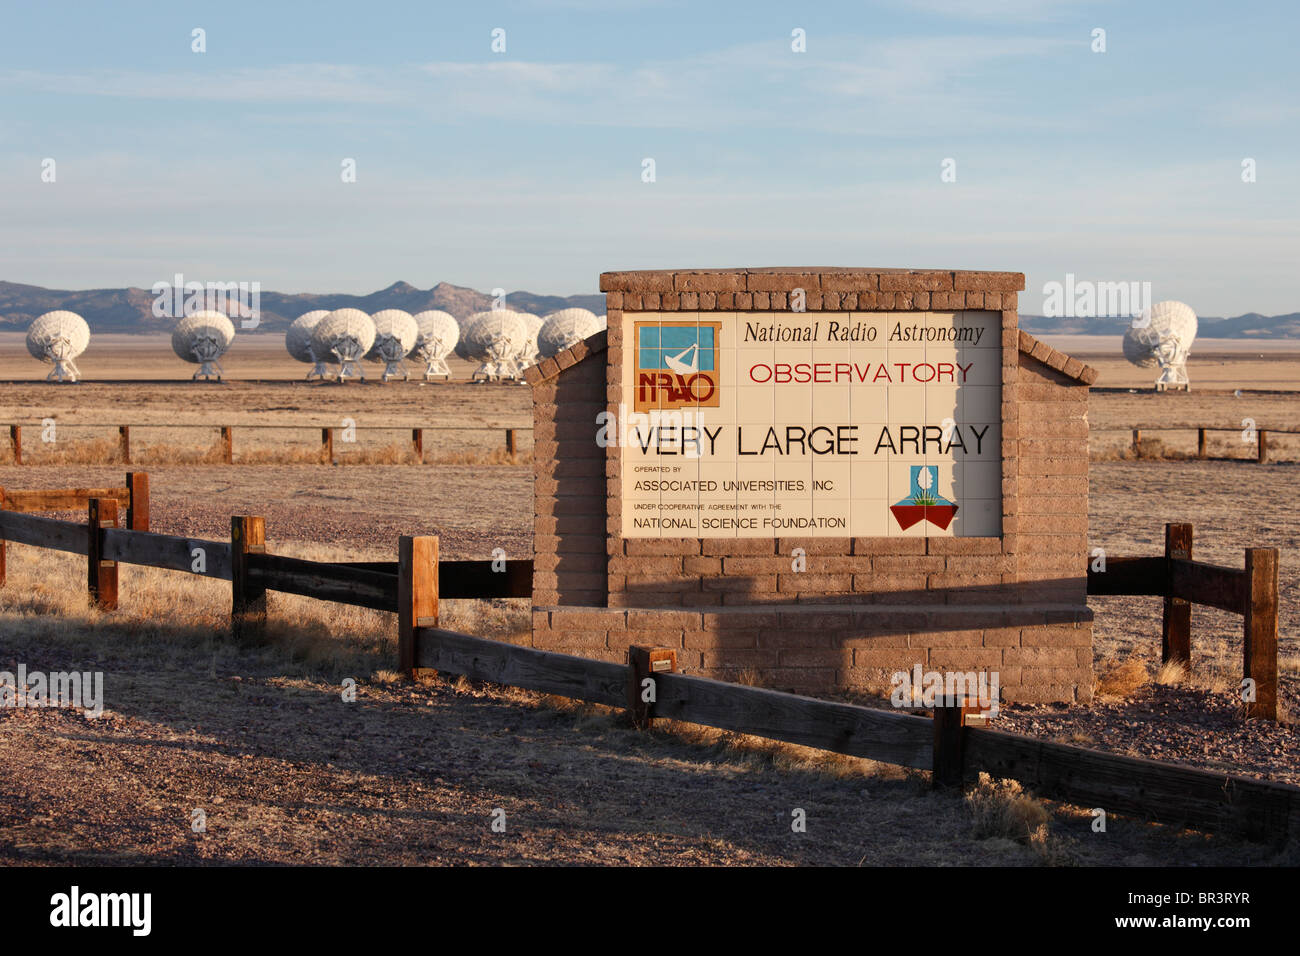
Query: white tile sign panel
x=855 y=424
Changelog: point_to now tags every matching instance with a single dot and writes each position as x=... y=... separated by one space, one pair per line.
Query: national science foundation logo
x=676 y=365
x=924 y=503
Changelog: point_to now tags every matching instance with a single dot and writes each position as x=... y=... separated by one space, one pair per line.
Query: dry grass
x=1181 y=446
x=105 y=451
x=497 y=456
x=1150 y=449
x=1002 y=810
x=170 y=613
x=1122 y=679
x=1171 y=673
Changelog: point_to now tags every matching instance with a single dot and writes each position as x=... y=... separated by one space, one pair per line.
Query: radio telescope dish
x=202 y=338
x=395 y=335
x=59 y=337
x=344 y=336
x=297 y=341
x=436 y=338
x=565 y=329
x=527 y=354
x=494 y=339
x=1162 y=336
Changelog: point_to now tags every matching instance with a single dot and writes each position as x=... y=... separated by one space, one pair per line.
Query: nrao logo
x=676 y=365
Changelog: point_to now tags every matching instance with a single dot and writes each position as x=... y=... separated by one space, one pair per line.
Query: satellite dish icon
x=682 y=368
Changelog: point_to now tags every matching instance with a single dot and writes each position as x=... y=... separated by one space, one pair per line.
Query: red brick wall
x=863 y=607
x=569 y=551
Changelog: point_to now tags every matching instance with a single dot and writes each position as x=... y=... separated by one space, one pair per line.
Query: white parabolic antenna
x=494 y=339
x=436 y=338
x=565 y=329
x=528 y=351
x=344 y=336
x=202 y=338
x=395 y=335
x=59 y=337
x=297 y=342
x=1162 y=336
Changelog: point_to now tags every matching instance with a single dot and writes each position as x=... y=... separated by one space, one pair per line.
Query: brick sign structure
x=814 y=478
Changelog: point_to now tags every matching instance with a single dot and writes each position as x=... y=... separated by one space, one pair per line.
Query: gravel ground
x=284 y=771
x=1181 y=724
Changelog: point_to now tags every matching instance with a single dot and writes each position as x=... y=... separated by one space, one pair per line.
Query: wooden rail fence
x=955 y=754
x=1251 y=592
x=649 y=687
x=1260 y=439
x=133 y=497
x=226 y=437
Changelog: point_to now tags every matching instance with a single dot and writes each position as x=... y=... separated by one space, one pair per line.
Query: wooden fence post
x=1261 y=451
x=949 y=746
x=1176 y=631
x=124 y=442
x=248 y=601
x=327 y=445
x=1200 y=443
x=417 y=594
x=227 y=445
x=137 y=486
x=510 y=442
x=101 y=575
x=16 y=440
x=417 y=444
x=1260 y=630
x=644 y=662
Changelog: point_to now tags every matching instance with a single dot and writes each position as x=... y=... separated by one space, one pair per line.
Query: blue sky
x=523 y=169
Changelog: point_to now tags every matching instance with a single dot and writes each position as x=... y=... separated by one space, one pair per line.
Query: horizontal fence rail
x=1251 y=592
x=546 y=672
x=64 y=499
x=341 y=584
x=1256 y=436
x=43 y=532
x=226 y=441
x=1160 y=792
x=827 y=725
x=171 y=553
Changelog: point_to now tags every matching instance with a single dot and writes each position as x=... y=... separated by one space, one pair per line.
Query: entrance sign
x=853 y=424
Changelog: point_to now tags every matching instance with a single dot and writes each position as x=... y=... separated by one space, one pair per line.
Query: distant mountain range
x=1252 y=325
x=131 y=310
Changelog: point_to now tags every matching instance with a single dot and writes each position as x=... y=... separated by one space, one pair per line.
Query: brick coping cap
x=1056 y=359
x=1079 y=612
x=811 y=278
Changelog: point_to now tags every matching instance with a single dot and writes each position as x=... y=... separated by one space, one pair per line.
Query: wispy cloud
x=289 y=83
x=1019 y=11
x=900 y=84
